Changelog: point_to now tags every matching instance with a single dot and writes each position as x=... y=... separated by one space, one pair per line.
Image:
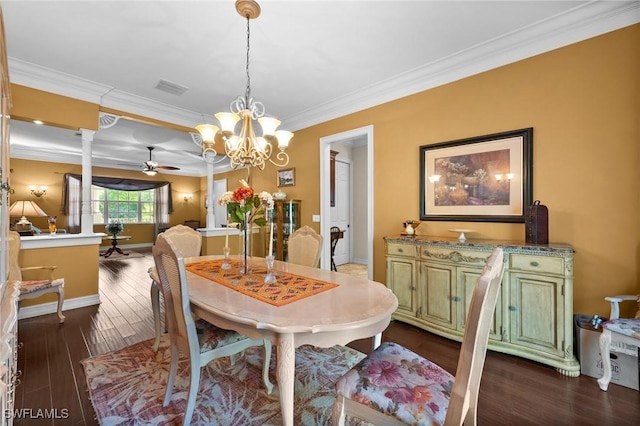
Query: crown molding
x=582 y=22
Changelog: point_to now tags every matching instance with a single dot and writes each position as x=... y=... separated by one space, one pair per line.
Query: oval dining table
x=356 y=308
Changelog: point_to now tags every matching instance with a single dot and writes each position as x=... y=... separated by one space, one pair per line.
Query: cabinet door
x=467 y=279
x=536 y=312
x=401 y=276
x=438 y=291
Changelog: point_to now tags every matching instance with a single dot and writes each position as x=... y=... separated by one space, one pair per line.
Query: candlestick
x=226 y=234
x=271 y=240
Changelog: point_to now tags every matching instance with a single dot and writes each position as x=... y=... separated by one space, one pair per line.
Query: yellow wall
x=583 y=102
x=26 y=172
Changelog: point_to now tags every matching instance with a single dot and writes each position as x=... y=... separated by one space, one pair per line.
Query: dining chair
x=621 y=333
x=202 y=342
x=335 y=237
x=189 y=243
x=30 y=289
x=304 y=247
x=394 y=386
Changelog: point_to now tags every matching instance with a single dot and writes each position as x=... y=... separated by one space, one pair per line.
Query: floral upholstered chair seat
x=31 y=286
x=211 y=337
x=400 y=383
x=627 y=326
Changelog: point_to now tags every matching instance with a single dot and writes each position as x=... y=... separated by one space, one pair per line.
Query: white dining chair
x=189 y=243
x=304 y=247
x=200 y=341
x=394 y=386
x=621 y=333
x=32 y=288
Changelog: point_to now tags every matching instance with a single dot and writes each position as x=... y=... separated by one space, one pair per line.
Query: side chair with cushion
x=394 y=386
x=188 y=242
x=335 y=237
x=30 y=289
x=200 y=341
x=622 y=333
x=304 y=247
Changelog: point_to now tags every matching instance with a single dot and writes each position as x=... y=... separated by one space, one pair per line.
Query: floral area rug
x=127 y=387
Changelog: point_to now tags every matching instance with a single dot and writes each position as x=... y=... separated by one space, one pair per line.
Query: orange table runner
x=287 y=289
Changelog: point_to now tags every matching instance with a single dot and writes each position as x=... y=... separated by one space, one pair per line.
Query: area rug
x=127 y=387
x=118 y=256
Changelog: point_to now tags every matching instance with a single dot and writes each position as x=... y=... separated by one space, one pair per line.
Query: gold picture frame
x=286 y=177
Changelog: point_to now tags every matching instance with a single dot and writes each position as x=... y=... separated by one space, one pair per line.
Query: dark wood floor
x=514 y=391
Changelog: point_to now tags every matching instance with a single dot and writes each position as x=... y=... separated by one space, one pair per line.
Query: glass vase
x=245 y=248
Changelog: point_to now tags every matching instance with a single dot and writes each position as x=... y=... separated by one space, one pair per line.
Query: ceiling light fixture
x=245 y=149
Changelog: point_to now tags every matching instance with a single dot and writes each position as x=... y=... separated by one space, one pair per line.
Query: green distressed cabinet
x=433 y=279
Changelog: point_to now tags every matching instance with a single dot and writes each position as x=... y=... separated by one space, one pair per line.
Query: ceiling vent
x=170 y=87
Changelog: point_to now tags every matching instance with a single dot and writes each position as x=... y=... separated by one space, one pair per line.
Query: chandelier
x=245 y=149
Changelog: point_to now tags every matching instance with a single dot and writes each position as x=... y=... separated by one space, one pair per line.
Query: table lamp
x=24 y=209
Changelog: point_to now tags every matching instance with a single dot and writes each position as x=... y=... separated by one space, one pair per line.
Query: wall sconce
x=187 y=197
x=510 y=176
x=38 y=190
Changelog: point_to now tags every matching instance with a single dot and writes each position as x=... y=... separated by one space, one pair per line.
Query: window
x=125 y=206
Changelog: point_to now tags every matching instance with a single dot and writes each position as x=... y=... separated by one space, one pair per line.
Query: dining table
x=304 y=306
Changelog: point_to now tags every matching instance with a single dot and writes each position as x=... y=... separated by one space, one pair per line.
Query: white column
x=86 y=221
x=211 y=217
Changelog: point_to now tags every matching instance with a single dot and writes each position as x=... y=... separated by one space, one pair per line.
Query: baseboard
x=52 y=307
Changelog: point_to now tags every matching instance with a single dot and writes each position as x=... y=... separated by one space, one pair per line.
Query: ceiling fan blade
x=168 y=167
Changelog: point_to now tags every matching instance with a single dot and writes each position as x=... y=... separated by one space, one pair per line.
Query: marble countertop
x=477 y=243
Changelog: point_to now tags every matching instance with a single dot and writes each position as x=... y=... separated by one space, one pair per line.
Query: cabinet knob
x=534 y=264
x=400 y=250
x=512 y=308
x=456 y=298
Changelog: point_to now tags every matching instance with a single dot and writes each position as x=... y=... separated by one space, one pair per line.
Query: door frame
x=325 y=201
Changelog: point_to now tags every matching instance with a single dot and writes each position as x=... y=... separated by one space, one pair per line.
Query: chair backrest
x=14 y=251
x=173 y=281
x=335 y=232
x=186 y=240
x=193 y=224
x=464 y=394
x=304 y=247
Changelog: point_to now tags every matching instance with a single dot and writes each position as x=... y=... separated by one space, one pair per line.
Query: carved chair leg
x=605 y=349
x=60 y=301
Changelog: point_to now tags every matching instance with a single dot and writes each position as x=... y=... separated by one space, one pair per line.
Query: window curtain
x=72 y=196
x=162 y=207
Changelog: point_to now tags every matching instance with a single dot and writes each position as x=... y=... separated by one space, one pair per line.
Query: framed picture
x=480 y=179
x=286 y=177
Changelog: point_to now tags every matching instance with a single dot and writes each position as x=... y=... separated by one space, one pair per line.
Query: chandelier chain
x=247 y=93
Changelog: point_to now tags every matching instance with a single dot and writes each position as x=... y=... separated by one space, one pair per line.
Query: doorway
x=360 y=139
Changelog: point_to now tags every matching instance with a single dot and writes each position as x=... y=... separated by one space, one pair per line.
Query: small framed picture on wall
x=286 y=177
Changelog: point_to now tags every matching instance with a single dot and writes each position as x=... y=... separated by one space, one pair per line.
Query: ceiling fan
x=151 y=167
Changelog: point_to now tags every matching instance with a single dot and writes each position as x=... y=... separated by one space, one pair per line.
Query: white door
x=341 y=213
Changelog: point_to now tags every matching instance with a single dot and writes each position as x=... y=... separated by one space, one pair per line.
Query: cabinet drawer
x=461 y=257
x=398 y=249
x=550 y=265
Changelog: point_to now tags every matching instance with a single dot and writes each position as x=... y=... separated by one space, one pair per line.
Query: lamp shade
x=26 y=208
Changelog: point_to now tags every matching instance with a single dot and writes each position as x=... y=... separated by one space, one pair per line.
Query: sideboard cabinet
x=433 y=279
